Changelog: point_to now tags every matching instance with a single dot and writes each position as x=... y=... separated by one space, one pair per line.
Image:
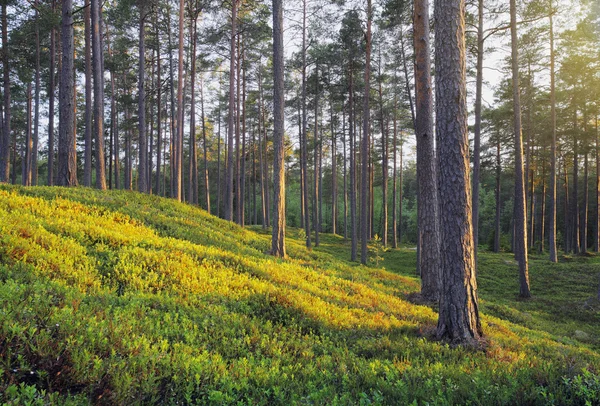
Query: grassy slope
x=120 y=298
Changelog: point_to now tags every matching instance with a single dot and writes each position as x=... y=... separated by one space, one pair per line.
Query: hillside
x=121 y=298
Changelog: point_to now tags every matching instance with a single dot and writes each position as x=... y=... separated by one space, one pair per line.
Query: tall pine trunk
x=231 y=116
x=552 y=202
x=352 y=136
x=519 y=202
x=364 y=208
x=193 y=178
x=159 y=140
x=88 y=112
x=36 y=116
x=26 y=170
x=51 y=89
x=428 y=239
x=304 y=141
x=477 y=129
x=316 y=167
x=67 y=155
x=205 y=147
x=143 y=181
x=6 y=139
x=395 y=175
x=278 y=236
x=498 y=206
x=178 y=138
x=458 y=314
x=98 y=73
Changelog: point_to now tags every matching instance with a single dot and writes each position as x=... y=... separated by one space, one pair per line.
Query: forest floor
x=122 y=298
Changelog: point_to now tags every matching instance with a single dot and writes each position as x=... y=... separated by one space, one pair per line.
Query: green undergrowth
x=121 y=298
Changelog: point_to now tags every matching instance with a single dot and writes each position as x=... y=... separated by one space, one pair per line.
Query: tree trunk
x=205 y=146
x=542 y=221
x=597 y=237
x=352 y=134
x=67 y=155
x=316 y=168
x=552 y=202
x=6 y=139
x=98 y=72
x=36 y=118
x=333 y=172
x=158 y=109
x=428 y=239
x=477 y=129
x=458 y=314
x=242 y=178
x=238 y=175
x=51 y=89
x=142 y=141
x=400 y=183
x=344 y=142
x=231 y=116
x=26 y=173
x=498 y=206
x=520 y=207
x=407 y=79
x=266 y=162
x=278 y=236
x=88 y=117
x=576 y=243
x=584 y=209
x=301 y=156
x=384 y=165
x=364 y=209
x=178 y=138
x=395 y=176
x=567 y=226
x=193 y=179
x=304 y=142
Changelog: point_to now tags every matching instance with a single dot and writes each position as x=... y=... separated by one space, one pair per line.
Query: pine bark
x=26 y=165
x=352 y=136
x=597 y=236
x=552 y=201
x=231 y=115
x=365 y=207
x=316 y=167
x=88 y=112
x=67 y=155
x=193 y=178
x=334 y=186
x=158 y=110
x=428 y=239
x=6 y=139
x=395 y=175
x=178 y=139
x=98 y=73
x=142 y=140
x=36 y=114
x=498 y=206
x=304 y=141
x=520 y=203
x=51 y=89
x=278 y=236
x=477 y=129
x=384 y=165
x=458 y=314
x=584 y=209
x=205 y=146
